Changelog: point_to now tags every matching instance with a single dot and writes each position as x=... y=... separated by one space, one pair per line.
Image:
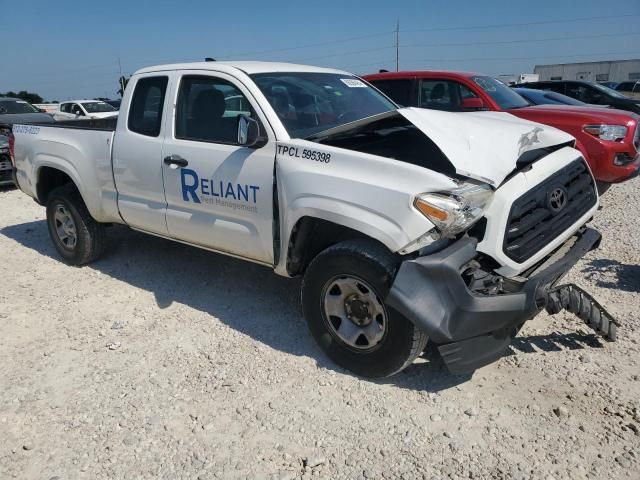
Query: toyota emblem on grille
x=557 y=199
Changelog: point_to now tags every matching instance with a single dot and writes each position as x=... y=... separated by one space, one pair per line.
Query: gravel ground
x=164 y=361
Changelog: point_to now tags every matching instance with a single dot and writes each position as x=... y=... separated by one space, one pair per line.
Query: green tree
x=24 y=95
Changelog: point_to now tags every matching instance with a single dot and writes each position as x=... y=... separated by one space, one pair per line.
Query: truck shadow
x=554 y=342
x=247 y=297
x=613 y=274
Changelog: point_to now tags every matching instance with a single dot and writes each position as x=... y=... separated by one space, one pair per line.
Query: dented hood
x=483 y=145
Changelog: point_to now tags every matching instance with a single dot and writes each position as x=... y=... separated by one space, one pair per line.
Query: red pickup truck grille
x=544 y=212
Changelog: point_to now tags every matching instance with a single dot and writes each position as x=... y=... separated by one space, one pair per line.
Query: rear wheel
x=78 y=238
x=343 y=302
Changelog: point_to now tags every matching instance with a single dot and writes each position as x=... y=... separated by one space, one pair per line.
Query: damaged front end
x=472 y=314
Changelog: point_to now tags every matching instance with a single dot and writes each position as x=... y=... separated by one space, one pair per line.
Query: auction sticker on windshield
x=353 y=82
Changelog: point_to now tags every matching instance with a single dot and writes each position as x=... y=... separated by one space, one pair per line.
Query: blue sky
x=70 y=49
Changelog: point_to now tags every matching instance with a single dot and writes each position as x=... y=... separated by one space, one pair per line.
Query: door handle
x=175 y=161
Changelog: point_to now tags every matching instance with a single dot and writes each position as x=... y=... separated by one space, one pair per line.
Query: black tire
x=90 y=235
x=373 y=263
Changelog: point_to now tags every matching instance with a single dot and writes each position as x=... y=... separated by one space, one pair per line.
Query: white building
x=612 y=71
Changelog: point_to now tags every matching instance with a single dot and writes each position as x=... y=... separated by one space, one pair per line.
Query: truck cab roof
x=420 y=74
x=248 y=67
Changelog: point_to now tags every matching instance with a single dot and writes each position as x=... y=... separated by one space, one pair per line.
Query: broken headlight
x=455 y=211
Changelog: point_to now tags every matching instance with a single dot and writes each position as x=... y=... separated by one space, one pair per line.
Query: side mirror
x=472 y=103
x=249 y=132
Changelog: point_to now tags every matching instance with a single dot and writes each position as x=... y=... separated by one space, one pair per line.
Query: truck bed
x=79 y=148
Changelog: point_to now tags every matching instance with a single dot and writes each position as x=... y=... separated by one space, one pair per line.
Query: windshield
x=16 y=106
x=309 y=103
x=501 y=94
x=97 y=107
x=547 y=97
x=609 y=91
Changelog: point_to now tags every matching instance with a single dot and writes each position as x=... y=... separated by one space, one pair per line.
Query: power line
x=510 y=42
x=524 y=58
x=113 y=65
x=354 y=52
x=344 y=54
x=310 y=45
x=372 y=35
x=380 y=34
x=527 y=24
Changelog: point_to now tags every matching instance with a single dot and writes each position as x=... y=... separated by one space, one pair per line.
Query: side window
x=64 y=108
x=443 y=95
x=557 y=87
x=466 y=93
x=145 y=112
x=208 y=110
x=397 y=90
x=436 y=94
x=76 y=110
x=584 y=93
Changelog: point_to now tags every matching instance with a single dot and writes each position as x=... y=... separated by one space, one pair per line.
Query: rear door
x=137 y=154
x=219 y=194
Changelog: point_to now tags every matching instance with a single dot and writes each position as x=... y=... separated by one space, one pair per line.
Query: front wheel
x=78 y=238
x=343 y=296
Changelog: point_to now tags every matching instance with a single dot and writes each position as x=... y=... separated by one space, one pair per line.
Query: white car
x=84 y=109
x=406 y=224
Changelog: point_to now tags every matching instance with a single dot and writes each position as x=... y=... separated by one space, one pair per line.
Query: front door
x=219 y=194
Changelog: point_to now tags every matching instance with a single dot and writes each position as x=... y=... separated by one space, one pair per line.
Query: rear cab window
x=400 y=91
x=147 y=103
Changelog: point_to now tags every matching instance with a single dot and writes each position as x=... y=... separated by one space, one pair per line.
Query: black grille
x=5 y=168
x=540 y=215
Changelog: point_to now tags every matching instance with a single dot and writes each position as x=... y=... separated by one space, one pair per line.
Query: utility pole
x=398 y=45
x=119 y=66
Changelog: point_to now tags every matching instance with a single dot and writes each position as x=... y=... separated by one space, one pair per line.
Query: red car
x=609 y=139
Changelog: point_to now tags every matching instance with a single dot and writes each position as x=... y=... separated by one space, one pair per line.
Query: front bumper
x=612 y=173
x=472 y=329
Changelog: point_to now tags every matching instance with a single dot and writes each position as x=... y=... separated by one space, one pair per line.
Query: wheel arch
x=48 y=178
x=311 y=234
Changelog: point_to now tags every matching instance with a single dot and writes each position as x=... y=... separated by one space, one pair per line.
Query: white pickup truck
x=408 y=225
x=84 y=110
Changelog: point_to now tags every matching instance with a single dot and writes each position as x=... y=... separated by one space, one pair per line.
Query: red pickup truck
x=609 y=139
